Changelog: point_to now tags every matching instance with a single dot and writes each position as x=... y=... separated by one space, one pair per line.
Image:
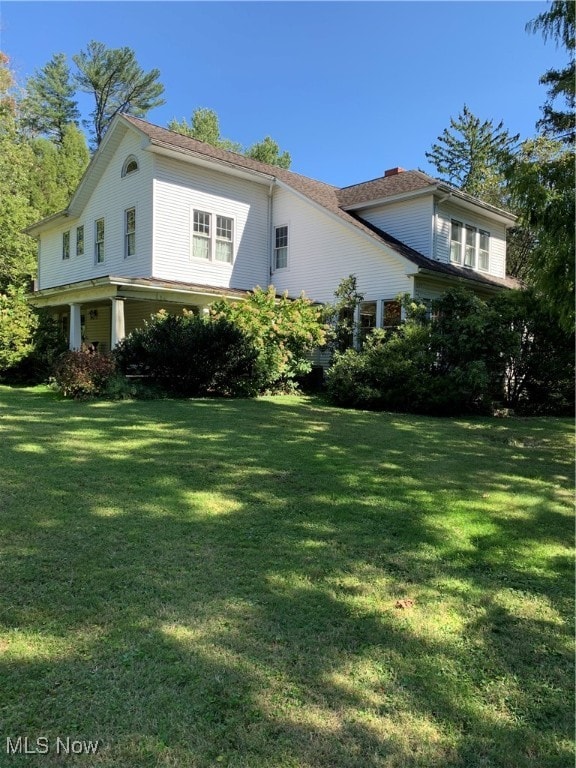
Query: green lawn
x=276 y=583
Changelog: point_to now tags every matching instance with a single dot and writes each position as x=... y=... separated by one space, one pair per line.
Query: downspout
x=270 y=255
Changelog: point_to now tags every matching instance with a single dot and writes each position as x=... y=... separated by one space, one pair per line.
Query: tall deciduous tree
x=49 y=106
x=268 y=151
x=470 y=155
x=17 y=251
x=205 y=126
x=58 y=170
x=118 y=84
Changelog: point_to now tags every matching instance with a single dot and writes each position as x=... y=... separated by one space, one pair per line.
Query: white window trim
x=83 y=228
x=212 y=237
x=126 y=233
x=466 y=226
x=274 y=249
x=96 y=261
x=66 y=239
x=130 y=159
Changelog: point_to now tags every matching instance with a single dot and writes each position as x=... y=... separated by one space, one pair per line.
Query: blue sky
x=348 y=88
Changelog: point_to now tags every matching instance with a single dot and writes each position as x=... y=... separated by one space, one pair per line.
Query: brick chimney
x=393 y=172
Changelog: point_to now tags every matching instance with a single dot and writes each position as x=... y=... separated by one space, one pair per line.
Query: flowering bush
x=282 y=330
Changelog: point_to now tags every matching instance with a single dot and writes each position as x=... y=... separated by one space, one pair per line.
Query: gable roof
x=328 y=197
x=385 y=186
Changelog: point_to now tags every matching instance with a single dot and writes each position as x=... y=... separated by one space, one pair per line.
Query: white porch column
x=75 y=335
x=118 y=328
x=380 y=313
x=356 y=328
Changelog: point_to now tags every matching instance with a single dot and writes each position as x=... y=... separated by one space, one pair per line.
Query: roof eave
x=390 y=198
x=167 y=149
x=507 y=218
x=490 y=286
x=34 y=229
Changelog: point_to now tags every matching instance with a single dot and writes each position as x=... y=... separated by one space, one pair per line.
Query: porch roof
x=149 y=288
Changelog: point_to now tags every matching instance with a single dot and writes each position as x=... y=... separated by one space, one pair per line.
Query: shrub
x=83 y=374
x=538 y=371
x=341 y=315
x=190 y=356
x=17 y=325
x=391 y=372
x=48 y=343
x=471 y=355
x=284 y=331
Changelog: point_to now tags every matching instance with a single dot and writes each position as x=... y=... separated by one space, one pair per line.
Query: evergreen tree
x=542 y=189
x=559 y=24
x=49 y=106
x=471 y=154
x=118 y=84
x=542 y=177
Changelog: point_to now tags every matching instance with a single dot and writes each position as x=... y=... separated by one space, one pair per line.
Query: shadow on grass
x=203 y=583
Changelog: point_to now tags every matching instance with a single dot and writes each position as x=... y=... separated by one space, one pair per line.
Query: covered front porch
x=97 y=314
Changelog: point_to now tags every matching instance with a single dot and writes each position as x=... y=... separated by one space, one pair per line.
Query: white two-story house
x=160 y=220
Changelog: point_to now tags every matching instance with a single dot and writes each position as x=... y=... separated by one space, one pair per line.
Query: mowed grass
x=280 y=584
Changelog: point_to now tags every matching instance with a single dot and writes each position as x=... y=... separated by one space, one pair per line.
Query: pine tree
x=118 y=84
x=559 y=24
x=471 y=154
x=49 y=106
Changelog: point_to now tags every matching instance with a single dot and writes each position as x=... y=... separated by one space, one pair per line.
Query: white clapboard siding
x=112 y=196
x=322 y=251
x=410 y=221
x=444 y=215
x=179 y=188
x=428 y=288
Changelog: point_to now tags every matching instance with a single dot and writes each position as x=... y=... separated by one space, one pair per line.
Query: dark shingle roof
x=327 y=196
x=385 y=186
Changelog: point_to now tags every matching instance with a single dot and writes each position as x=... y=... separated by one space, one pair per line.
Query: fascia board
x=34 y=229
x=97 y=165
x=197 y=158
x=390 y=199
x=473 y=204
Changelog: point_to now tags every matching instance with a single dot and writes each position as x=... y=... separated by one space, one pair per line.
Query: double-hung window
x=280 y=247
x=80 y=240
x=202 y=235
x=99 y=241
x=469 y=246
x=129 y=232
x=66 y=244
x=456 y=242
x=224 y=239
x=470 y=251
x=212 y=237
x=483 y=250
